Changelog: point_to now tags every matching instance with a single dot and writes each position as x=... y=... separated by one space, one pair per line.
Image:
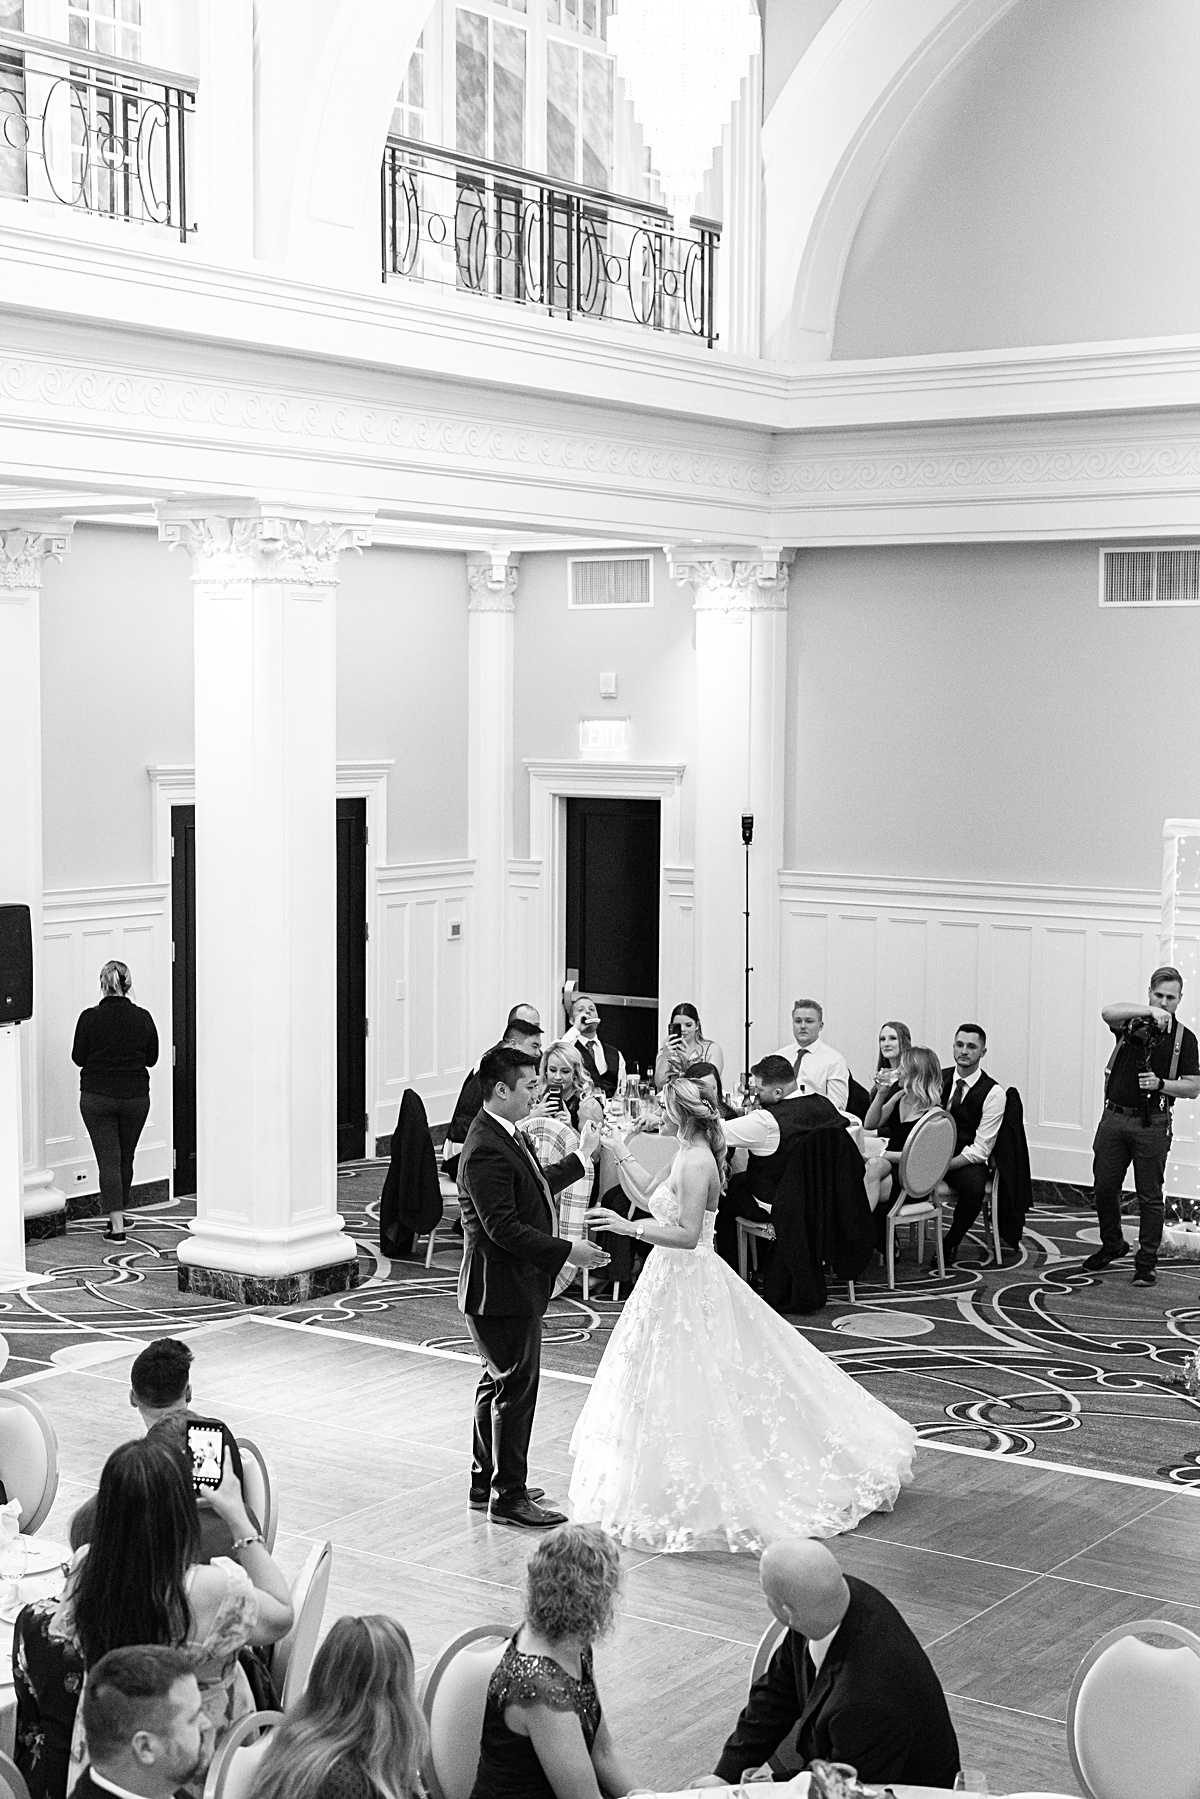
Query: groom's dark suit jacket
x=876 y=1703
x=510 y=1252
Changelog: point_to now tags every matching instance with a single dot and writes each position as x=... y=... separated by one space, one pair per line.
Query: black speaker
x=16 y=964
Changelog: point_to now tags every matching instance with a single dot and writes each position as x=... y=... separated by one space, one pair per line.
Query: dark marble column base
x=46 y=1225
x=267 y=1289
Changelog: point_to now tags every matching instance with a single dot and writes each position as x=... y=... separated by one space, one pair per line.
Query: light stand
x=747 y=840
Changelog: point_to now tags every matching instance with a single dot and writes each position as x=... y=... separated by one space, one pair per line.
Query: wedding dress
x=713 y=1424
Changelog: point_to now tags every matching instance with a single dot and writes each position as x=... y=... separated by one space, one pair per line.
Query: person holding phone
x=895 y=1040
x=562 y=1084
x=140 y=1580
x=685 y=1044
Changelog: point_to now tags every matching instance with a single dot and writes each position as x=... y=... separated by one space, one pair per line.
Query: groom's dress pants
x=511 y=1351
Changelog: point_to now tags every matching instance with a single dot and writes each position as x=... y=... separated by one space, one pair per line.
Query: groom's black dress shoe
x=525 y=1515
x=481 y=1497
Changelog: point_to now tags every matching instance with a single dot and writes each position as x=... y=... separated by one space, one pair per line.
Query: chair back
x=293 y=1654
x=12 y=1781
x=768 y=1643
x=28 y=1457
x=232 y=1770
x=1133 y=1717
x=453 y=1698
x=258 y=1489
x=926 y=1155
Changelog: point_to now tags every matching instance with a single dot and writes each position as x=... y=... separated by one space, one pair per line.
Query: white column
x=23 y=554
x=492 y=586
x=266 y=921
x=741 y=674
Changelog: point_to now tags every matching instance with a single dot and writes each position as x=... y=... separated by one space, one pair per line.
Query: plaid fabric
x=551 y=1139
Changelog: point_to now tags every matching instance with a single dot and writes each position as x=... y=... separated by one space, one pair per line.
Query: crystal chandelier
x=682 y=62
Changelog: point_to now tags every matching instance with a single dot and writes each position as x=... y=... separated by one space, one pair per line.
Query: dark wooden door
x=351 y=979
x=183 y=995
x=612 y=918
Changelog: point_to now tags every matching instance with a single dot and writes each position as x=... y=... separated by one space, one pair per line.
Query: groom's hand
x=587 y=1255
x=589 y=1141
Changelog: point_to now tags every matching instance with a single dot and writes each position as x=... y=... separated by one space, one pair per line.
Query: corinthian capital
x=24 y=550
x=492 y=580
x=733 y=580
x=262 y=546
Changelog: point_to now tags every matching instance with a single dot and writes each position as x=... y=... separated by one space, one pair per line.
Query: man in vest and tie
x=976 y=1103
x=818 y=1067
x=605 y=1065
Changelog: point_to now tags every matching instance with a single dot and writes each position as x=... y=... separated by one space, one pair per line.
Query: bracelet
x=255 y=1536
x=639 y=1232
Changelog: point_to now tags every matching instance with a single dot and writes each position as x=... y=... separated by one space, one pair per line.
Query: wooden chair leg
x=920 y=1241
x=586 y=1293
x=616 y=1293
x=941 y=1258
x=754 y=1253
x=995 y=1205
x=891 y=1252
x=742 y=1251
x=850 y=1284
x=429 y=1252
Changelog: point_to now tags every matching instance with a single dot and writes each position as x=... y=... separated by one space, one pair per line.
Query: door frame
x=551 y=785
x=174 y=784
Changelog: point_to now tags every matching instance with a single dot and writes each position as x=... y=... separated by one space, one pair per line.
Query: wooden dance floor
x=1007 y=1570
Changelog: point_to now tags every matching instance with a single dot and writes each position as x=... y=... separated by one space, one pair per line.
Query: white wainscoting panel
x=82 y=929
x=525 y=975
x=421 y=1007
x=1033 y=965
x=677 y=975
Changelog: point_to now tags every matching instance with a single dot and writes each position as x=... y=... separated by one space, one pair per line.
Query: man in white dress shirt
x=605 y=1065
x=769 y=1134
x=819 y=1067
x=976 y=1103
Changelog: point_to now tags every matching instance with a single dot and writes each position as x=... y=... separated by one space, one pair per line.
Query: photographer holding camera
x=1154 y=1063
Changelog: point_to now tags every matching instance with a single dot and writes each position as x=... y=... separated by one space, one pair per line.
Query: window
x=105 y=109
x=13 y=172
x=113 y=27
x=579 y=112
x=588 y=17
x=489 y=87
x=408 y=116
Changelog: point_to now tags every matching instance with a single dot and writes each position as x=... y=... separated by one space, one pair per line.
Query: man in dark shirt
x=849 y=1682
x=147 y=1731
x=1155 y=1062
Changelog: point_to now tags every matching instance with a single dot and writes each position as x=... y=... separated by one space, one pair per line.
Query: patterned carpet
x=1036 y=1358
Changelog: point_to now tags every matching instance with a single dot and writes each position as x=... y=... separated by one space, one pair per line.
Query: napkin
x=10 y=1521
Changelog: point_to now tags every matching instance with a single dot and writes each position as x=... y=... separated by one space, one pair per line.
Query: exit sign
x=603 y=736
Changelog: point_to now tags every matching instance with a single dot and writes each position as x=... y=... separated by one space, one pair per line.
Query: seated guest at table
x=140 y=1581
x=819 y=1068
x=685 y=1045
x=920 y=1091
x=976 y=1103
x=605 y=1065
x=708 y=1079
x=147 y=1730
x=544 y=1736
x=770 y=1133
x=356 y=1731
x=894 y=1039
x=562 y=1084
x=850 y=1672
x=523 y=1030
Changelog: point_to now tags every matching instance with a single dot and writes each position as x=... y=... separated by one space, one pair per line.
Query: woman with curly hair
x=919 y=1091
x=544 y=1736
x=712 y=1423
x=356 y=1732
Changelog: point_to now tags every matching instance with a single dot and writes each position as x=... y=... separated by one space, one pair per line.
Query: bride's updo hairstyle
x=694 y=1115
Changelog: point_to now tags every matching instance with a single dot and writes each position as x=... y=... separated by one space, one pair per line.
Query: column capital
x=492 y=580
x=25 y=549
x=262 y=543
x=734 y=579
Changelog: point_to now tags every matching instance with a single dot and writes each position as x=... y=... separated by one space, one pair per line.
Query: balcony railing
x=94 y=132
x=485 y=228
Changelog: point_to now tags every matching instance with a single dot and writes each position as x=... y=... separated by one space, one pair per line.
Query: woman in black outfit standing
x=115 y=1044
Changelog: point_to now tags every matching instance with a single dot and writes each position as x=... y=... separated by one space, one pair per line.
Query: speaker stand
x=13 y=1273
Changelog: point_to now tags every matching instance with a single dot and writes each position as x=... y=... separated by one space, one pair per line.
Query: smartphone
x=206 y=1446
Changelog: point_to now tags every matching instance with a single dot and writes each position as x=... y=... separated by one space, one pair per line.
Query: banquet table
x=45 y=1573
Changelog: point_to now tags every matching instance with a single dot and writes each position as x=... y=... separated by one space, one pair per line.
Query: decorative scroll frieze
x=492 y=581
x=302 y=552
x=24 y=552
x=730 y=580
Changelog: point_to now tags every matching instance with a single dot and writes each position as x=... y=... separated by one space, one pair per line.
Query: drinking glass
x=970 y=1780
x=14 y=1558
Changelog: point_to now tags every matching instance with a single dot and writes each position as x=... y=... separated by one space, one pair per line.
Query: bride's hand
x=601 y=1219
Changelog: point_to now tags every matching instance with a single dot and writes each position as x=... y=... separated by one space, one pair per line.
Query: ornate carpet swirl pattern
x=1034 y=1359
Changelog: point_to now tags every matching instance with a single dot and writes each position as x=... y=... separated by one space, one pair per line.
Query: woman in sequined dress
x=544 y=1735
x=712 y=1423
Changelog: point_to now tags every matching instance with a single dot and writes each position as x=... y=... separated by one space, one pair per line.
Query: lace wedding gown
x=713 y=1424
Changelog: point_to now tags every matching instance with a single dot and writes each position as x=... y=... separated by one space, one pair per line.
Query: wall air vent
x=602 y=581
x=1167 y=577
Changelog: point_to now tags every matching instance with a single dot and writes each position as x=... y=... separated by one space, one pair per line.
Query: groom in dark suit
x=848 y=1683
x=511 y=1254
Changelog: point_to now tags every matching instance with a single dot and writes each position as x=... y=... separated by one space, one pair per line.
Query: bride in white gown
x=712 y=1423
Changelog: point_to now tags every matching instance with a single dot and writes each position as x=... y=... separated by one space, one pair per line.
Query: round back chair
x=453 y=1698
x=1133 y=1717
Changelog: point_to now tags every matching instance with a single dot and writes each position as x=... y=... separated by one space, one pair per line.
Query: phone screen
x=206 y=1448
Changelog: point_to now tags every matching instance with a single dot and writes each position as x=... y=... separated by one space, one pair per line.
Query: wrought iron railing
x=94 y=132
x=485 y=228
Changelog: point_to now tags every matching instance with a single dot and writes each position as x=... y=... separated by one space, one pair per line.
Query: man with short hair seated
x=976 y=1104
x=147 y=1733
x=522 y=1030
x=818 y=1066
x=848 y=1683
x=770 y=1134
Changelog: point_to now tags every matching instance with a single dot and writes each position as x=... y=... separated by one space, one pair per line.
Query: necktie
x=800 y=1059
x=960 y=1087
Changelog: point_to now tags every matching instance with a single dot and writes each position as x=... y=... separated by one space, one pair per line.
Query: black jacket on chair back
x=875 y=1702
x=510 y=1251
x=411 y=1201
